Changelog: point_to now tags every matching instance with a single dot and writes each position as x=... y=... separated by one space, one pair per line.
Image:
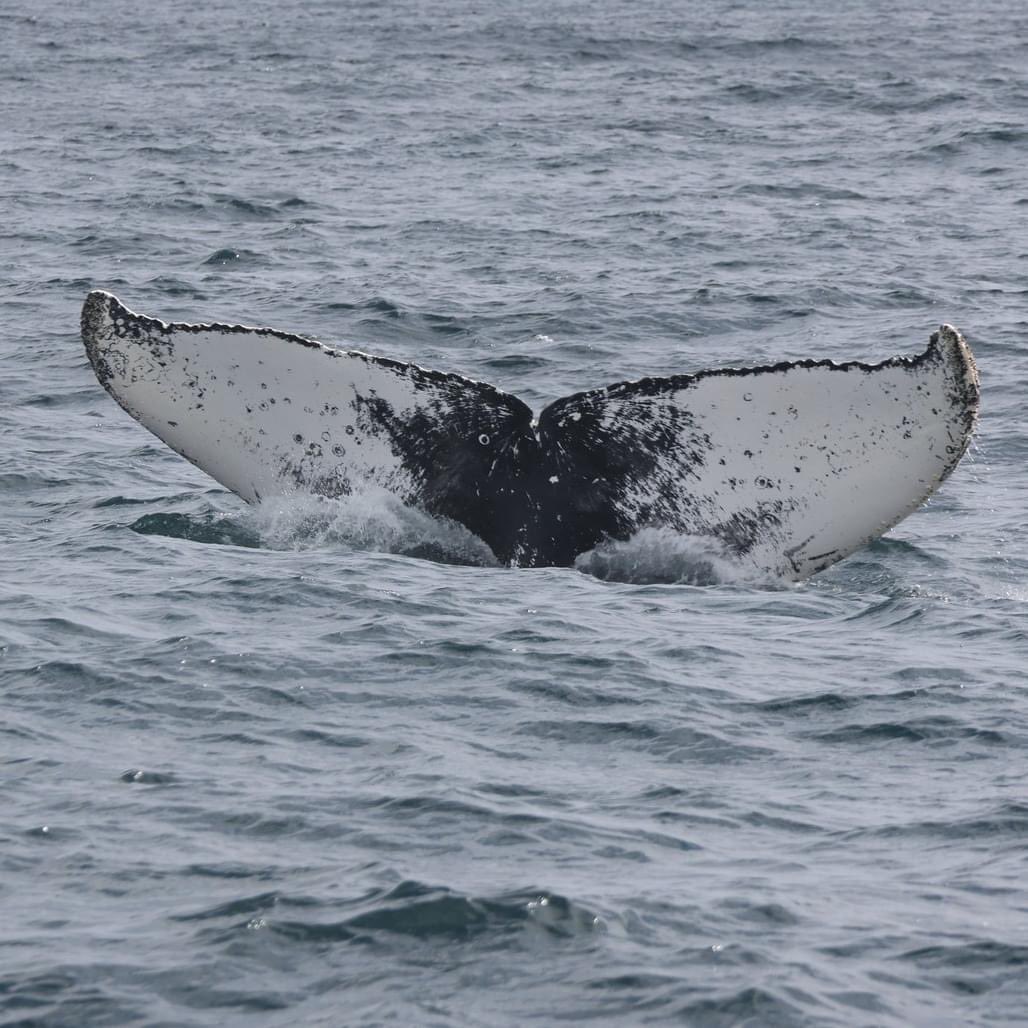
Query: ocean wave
x=411 y=908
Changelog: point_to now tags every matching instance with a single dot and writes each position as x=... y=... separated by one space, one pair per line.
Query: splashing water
x=368 y=519
x=663 y=556
x=374 y=520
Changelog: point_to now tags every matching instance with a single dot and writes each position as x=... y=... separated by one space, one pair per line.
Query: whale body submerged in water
x=790 y=467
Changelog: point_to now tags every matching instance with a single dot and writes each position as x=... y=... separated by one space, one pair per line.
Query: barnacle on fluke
x=790 y=467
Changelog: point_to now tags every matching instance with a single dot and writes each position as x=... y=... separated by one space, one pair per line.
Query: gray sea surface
x=277 y=767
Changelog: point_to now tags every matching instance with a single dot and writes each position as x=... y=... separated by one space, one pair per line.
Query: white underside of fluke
x=792 y=467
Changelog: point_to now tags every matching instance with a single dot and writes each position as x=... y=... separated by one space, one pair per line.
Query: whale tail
x=791 y=466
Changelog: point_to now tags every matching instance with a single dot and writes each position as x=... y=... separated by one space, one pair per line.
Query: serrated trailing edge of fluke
x=101 y=306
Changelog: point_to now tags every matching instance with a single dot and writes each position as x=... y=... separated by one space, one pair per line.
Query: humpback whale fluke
x=791 y=466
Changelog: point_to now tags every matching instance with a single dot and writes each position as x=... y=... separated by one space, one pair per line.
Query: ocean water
x=286 y=765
